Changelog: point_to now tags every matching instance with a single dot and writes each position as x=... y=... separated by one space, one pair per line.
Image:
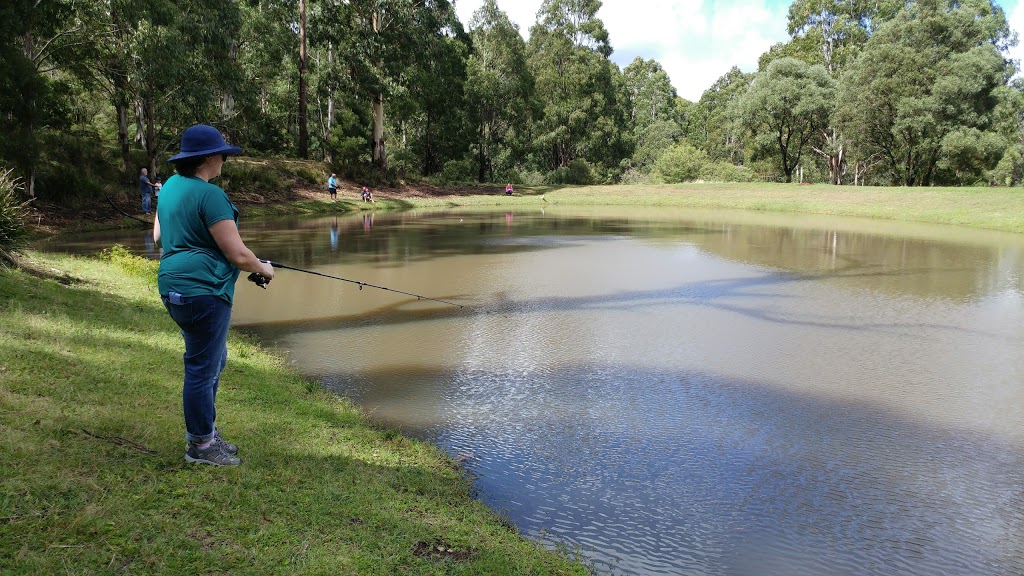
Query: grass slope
x=988 y=208
x=91 y=452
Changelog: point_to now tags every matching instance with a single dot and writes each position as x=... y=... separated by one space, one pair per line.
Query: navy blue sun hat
x=202 y=140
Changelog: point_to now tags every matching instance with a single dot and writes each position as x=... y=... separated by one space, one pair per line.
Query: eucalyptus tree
x=568 y=55
x=260 y=110
x=714 y=124
x=180 y=65
x=831 y=33
x=651 y=113
x=379 y=40
x=1008 y=123
x=303 y=90
x=42 y=44
x=925 y=82
x=436 y=87
x=499 y=87
x=786 y=106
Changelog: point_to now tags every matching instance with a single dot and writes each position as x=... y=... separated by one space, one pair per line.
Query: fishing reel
x=259 y=280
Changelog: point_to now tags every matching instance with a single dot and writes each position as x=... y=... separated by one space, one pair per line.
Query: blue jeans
x=147 y=203
x=204 y=324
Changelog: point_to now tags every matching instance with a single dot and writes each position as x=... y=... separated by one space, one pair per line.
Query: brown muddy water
x=682 y=392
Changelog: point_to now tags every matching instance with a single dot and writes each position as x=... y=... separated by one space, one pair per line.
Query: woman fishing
x=203 y=253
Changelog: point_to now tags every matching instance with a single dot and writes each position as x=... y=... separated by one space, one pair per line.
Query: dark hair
x=189 y=166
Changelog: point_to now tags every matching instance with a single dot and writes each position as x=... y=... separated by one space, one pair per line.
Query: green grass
x=91 y=449
x=989 y=208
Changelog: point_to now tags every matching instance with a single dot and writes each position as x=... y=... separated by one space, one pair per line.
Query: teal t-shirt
x=192 y=263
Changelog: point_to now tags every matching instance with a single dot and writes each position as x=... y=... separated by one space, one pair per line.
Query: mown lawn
x=92 y=476
x=988 y=208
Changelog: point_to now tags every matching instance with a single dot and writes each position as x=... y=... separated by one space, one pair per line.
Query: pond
x=682 y=392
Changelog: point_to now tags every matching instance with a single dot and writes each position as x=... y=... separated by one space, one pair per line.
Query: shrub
x=403 y=163
x=557 y=177
x=131 y=263
x=635 y=176
x=458 y=171
x=685 y=163
x=1010 y=169
x=726 y=172
x=681 y=163
x=252 y=178
x=529 y=178
x=349 y=155
x=581 y=172
x=13 y=213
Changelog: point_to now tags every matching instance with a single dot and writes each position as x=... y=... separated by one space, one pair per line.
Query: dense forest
x=881 y=92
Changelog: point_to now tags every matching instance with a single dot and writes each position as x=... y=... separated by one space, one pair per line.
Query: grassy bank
x=988 y=208
x=94 y=481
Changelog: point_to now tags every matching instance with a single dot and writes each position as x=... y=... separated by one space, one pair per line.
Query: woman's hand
x=225 y=234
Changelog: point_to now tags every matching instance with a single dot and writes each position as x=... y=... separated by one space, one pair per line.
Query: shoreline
x=999 y=209
x=90 y=394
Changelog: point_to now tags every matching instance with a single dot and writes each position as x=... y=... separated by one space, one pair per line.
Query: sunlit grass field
x=93 y=479
x=988 y=208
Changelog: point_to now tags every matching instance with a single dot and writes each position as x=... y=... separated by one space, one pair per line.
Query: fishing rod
x=261 y=281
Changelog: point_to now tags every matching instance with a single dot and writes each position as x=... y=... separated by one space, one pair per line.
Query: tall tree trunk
x=378 y=132
x=119 y=80
x=227 y=100
x=140 y=124
x=379 y=157
x=329 y=122
x=303 y=128
x=29 y=128
x=481 y=156
x=149 y=112
x=121 y=106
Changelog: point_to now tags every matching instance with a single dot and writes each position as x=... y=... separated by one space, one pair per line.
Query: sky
x=695 y=41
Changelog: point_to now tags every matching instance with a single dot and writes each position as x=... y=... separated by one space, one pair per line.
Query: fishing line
x=261 y=281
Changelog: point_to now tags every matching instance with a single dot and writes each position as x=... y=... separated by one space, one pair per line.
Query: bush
x=681 y=163
x=685 y=163
x=13 y=213
x=1010 y=169
x=726 y=172
x=74 y=166
x=458 y=171
x=520 y=177
x=131 y=263
x=581 y=172
x=636 y=176
x=349 y=155
x=251 y=178
x=557 y=177
x=403 y=163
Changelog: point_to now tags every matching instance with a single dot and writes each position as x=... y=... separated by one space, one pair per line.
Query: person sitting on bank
x=367 y=195
x=508 y=189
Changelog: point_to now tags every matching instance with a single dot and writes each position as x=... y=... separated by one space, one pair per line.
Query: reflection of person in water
x=367 y=222
x=334 y=235
x=152 y=251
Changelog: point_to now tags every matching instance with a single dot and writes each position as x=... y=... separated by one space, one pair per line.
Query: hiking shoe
x=214 y=454
x=228 y=446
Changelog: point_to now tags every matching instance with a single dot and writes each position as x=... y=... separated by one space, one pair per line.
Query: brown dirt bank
x=123 y=210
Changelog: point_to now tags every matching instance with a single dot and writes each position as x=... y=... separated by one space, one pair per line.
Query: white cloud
x=696 y=41
x=1015 y=16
